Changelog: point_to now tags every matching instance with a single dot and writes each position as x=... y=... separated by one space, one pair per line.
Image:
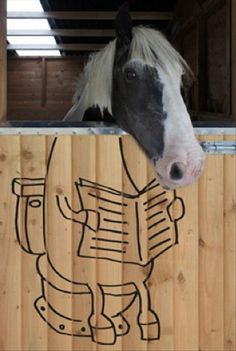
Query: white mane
x=94 y=87
x=153 y=48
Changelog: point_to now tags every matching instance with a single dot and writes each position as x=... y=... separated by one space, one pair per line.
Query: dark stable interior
x=41 y=89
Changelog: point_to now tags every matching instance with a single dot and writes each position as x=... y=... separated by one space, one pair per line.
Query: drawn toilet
x=82 y=221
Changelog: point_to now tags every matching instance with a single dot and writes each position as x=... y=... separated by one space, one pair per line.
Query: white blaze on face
x=183 y=157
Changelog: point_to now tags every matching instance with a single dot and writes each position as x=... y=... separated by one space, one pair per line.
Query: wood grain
x=233 y=58
x=84 y=164
x=11 y=303
x=161 y=285
x=3 y=60
x=186 y=303
x=58 y=238
x=211 y=254
x=192 y=286
x=229 y=250
x=35 y=93
x=138 y=168
x=33 y=165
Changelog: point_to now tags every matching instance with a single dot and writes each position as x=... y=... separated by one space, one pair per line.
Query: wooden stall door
x=81 y=221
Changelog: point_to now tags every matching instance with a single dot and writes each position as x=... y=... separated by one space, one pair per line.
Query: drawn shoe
x=121 y=325
x=103 y=333
x=149 y=326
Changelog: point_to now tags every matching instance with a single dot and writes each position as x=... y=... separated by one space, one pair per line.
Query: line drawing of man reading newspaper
x=130 y=228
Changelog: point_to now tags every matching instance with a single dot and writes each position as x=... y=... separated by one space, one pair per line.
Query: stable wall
x=204 y=33
x=41 y=88
x=3 y=61
x=192 y=286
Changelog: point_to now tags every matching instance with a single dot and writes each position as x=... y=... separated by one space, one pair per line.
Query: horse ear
x=123 y=24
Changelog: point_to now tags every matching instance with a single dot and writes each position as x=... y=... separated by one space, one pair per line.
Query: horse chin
x=169 y=186
x=165 y=185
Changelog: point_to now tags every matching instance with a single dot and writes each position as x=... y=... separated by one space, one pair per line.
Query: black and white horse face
x=137 y=105
x=147 y=103
x=137 y=79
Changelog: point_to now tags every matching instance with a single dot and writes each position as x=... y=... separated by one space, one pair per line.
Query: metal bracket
x=219 y=147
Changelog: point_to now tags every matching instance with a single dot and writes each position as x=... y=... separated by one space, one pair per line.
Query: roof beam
x=66 y=47
x=63 y=32
x=90 y=15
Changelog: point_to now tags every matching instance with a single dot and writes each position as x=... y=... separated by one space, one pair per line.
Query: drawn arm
x=87 y=217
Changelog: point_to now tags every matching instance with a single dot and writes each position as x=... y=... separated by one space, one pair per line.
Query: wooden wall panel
x=59 y=246
x=229 y=250
x=217 y=63
x=211 y=255
x=41 y=88
x=84 y=162
x=192 y=285
x=33 y=165
x=233 y=58
x=211 y=49
x=11 y=288
x=190 y=52
x=3 y=60
x=186 y=275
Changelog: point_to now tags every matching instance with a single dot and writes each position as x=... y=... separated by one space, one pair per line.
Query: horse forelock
x=151 y=47
x=94 y=87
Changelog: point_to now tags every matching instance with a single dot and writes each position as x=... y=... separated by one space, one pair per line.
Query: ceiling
x=102 y=5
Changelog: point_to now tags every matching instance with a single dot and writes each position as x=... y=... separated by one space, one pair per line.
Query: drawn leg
x=102 y=328
x=148 y=320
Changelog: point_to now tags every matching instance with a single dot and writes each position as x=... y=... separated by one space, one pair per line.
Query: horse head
x=137 y=79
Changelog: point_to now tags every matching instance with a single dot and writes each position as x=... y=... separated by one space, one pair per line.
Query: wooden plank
x=44 y=82
x=84 y=270
x=190 y=53
x=18 y=76
x=233 y=58
x=11 y=326
x=63 y=32
x=30 y=85
x=109 y=173
x=33 y=165
x=3 y=61
x=50 y=112
x=70 y=47
x=228 y=54
x=67 y=63
x=229 y=250
x=211 y=278
x=91 y=15
x=137 y=166
x=186 y=319
x=161 y=284
x=26 y=64
x=59 y=244
x=218 y=55
x=201 y=65
x=15 y=97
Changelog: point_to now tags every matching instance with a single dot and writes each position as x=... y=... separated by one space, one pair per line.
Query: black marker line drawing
x=108 y=234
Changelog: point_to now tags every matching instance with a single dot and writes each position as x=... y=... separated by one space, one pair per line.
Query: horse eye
x=131 y=75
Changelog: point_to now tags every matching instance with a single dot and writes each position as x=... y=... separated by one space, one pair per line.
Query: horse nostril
x=177 y=171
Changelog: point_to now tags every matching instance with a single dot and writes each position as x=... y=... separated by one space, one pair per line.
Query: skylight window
x=35 y=24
